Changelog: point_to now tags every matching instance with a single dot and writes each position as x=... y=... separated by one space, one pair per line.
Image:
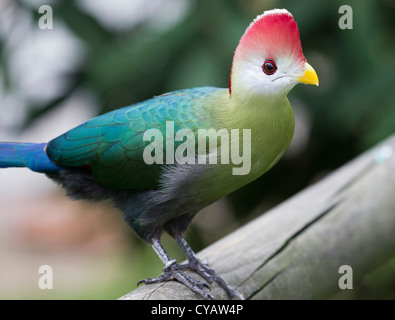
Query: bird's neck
x=257 y=112
x=271 y=121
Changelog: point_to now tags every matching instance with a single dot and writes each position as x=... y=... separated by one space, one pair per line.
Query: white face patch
x=248 y=76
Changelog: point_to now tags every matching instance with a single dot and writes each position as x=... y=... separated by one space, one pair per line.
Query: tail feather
x=30 y=155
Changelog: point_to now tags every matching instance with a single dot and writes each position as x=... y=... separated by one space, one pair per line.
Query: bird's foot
x=209 y=275
x=172 y=271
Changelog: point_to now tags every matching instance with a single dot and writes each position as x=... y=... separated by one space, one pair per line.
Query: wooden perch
x=295 y=250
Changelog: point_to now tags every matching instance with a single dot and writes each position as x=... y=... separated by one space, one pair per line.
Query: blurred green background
x=103 y=55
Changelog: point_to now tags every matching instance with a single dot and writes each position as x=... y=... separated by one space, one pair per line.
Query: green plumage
x=104 y=157
x=112 y=144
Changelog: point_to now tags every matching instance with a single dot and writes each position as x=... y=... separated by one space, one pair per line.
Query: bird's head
x=269 y=60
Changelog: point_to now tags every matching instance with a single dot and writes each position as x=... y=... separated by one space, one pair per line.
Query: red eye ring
x=269 y=67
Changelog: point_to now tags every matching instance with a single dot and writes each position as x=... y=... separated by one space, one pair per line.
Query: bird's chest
x=270 y=138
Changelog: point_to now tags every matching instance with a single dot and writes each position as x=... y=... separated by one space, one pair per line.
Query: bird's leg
x=202 y=269
x=172 y=271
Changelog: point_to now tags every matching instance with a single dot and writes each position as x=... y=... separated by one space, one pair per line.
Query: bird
x=120 y=156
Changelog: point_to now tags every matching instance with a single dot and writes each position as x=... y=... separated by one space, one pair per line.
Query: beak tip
x=309 y=76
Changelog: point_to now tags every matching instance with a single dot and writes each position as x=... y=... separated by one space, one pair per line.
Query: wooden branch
x=295 y=250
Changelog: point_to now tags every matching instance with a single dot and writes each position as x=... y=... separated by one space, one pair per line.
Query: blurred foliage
x=353 y=109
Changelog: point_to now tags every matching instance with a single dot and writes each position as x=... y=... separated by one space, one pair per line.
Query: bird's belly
x=194 y=187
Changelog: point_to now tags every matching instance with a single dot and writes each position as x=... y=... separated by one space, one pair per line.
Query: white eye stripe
x=248 y=76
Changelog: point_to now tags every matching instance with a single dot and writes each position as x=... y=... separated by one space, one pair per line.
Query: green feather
x=112 y=144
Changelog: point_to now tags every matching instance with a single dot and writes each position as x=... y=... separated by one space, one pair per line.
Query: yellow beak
x=309 y=76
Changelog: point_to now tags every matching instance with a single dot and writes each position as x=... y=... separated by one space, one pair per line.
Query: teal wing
x=112 y=144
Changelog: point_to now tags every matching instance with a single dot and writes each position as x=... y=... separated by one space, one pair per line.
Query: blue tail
x=30 y=155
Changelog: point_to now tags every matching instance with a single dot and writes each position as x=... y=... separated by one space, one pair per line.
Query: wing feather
x=112 y=144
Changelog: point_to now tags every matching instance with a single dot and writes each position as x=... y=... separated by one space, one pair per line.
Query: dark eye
x=269 y=67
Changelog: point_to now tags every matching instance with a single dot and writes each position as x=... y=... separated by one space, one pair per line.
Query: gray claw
x=171 y=271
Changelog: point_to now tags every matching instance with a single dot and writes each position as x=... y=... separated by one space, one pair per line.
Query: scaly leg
x=172 y=271
x=202 y=269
